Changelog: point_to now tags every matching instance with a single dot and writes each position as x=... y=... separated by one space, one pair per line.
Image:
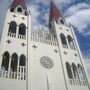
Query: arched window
x=81 y=72
x=63 y=40
x=22 y=60
x=70 y=41
x=22 y=64
x=19 y=9
x=5 y=61
x=61 y=21
x=12 y=9
x=22 y=29
x=12 y=27
x=69 y=71
x=75 y=72
x=14 y=61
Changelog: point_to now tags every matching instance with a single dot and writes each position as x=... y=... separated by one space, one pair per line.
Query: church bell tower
x=74 y=72
x=13 y=47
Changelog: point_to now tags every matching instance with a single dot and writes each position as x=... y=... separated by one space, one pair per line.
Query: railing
x=21 y=36
x=43 y=39
x=65 y=46
x=22 y=73
x=12 y=75
x=4 y=74
x=77 y=82
x=19 y=75
x=11 y=34
x=83 y=82
x=71 y=81
x=72 y=47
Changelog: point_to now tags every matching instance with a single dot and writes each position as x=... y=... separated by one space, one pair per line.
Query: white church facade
x=40 y=60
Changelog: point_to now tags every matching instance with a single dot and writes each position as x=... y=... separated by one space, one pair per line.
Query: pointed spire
x=54 y=12
x=18 y=2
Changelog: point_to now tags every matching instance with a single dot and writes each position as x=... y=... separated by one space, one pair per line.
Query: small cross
x=75 y=54
x=61 y=28
x=23 y=44
x=65 y=52
x=14 y=15
x=67 y=29
x=34 y=46
x=8 y=41
x=55 y=50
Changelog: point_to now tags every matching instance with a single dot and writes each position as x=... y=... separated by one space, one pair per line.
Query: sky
x=76 y=12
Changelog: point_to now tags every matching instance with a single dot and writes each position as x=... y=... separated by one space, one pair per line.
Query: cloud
x=78 y=15
x=86 y=58
x=44 y=2
x=87 y=33
x=63 y=2
x=77 y=11
x=47 y=2
x=40 y=16
x=75 y=8
x=34 y=13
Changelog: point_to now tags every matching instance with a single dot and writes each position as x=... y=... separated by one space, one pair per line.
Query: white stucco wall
x=38 y=77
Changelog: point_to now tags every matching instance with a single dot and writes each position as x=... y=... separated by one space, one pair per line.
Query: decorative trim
x=8 y=41
x=75 y=54
x=34 y=46
x=14 y=16
x=23 y=18
x=46 y=62
x=60 y=28
x=67 y=29
x=56 y=51
x=65 y=52
x=23 y=44
x=47 y=82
